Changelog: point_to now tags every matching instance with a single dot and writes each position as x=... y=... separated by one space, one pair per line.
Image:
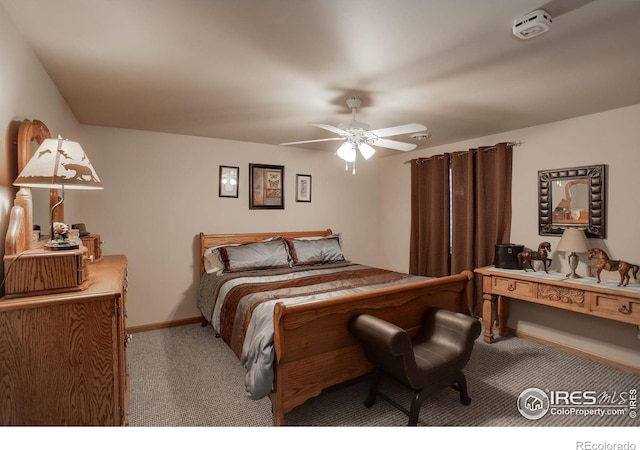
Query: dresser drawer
x=618 y=308
x=510 y=286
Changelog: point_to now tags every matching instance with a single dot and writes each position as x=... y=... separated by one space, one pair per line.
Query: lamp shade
x=366 y=150
x=59 y=163
x=347 y=151
x=573 y=240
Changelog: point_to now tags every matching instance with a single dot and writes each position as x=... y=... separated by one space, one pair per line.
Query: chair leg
x=414 y=410
x=416 y=404
x=373 y=389
x=461 y=386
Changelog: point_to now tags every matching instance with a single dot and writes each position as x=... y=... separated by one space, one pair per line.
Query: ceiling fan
x=357 y=136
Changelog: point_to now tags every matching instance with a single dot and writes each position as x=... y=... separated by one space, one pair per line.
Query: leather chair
x=433 y=360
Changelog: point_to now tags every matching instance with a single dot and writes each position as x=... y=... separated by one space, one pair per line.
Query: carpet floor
x=186 y=377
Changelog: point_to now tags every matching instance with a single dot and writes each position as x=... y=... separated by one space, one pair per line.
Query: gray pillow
x=315 y=251
x=254 y=256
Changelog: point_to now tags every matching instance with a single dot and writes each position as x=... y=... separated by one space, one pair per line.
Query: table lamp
x=59 y=164
x=575 y=241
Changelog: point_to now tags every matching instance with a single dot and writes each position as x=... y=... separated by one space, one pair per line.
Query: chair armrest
x=448 y=326
x=381 y=335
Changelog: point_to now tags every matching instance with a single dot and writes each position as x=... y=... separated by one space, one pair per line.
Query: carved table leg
x=503 y=314
x=488 y=316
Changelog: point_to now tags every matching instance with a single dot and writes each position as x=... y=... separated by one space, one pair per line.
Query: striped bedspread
x=240 y=306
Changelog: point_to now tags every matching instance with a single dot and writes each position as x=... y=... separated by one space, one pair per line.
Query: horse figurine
x=525 y=258
x=604 y=263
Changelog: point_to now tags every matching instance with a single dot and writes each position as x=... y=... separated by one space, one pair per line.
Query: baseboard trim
x=160 y=325
x=575 y=351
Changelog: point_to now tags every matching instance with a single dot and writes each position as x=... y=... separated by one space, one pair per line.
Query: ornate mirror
x=19 y=235
x=572 y=198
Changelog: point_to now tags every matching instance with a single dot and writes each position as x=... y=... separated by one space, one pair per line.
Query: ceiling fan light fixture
x=347 y=152
x=366 y=150
x=358 y=136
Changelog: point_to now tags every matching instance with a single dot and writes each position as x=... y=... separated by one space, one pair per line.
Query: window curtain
x=470 y=192
x=429 y=248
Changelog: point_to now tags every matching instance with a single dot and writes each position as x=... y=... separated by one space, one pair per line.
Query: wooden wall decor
x=19 y=234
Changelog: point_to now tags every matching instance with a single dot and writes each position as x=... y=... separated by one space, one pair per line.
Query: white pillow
x=212 y=263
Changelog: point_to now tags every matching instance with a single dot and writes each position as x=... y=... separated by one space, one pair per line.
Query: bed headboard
x=215 y=240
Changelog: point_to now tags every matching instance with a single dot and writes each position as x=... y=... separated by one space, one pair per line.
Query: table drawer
x=617 y=308
x=509 y=286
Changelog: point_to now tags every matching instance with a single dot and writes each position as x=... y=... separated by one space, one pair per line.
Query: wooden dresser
x=63 y=356
x=582 y=295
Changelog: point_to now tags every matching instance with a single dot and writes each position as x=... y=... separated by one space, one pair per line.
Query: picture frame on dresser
x=266 y=186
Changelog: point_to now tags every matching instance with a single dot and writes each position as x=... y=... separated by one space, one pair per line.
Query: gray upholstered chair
x=430 y=362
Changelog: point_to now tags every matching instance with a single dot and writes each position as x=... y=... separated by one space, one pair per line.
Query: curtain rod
x=512 y=144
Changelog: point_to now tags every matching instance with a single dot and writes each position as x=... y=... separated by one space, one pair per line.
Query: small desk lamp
x=573 y=240
x=59 y=164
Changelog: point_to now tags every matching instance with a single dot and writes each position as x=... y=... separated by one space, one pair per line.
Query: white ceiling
x=262 y=70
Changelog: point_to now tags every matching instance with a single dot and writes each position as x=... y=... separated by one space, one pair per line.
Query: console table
x=582 y=295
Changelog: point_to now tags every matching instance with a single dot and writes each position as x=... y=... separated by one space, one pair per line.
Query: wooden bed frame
x=314 y=349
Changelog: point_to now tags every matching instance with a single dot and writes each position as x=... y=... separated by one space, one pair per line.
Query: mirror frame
x=597 y=200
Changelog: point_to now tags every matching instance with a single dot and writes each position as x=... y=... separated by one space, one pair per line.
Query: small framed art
x=228 y=186
x=303 y=188
x=266 y=186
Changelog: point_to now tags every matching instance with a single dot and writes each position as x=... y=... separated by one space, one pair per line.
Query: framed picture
x=228 y=186
x=303 y=188
x=266 y=186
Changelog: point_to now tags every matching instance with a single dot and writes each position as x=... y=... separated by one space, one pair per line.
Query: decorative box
x=39 y=271
x=93 y=242
x=506 y=256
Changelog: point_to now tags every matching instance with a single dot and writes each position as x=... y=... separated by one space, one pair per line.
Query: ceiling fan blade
x=400 y=129
x=331 y=128
x=314 y=140
x=395 y=145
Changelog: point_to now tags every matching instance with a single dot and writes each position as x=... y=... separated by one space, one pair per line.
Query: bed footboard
x=314 y=349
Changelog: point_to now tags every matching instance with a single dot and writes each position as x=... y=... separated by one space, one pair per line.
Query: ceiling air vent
x=532 y=24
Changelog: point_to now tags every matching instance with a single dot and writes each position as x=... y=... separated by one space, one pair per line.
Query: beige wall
x=609 y=138
x=26 y=92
